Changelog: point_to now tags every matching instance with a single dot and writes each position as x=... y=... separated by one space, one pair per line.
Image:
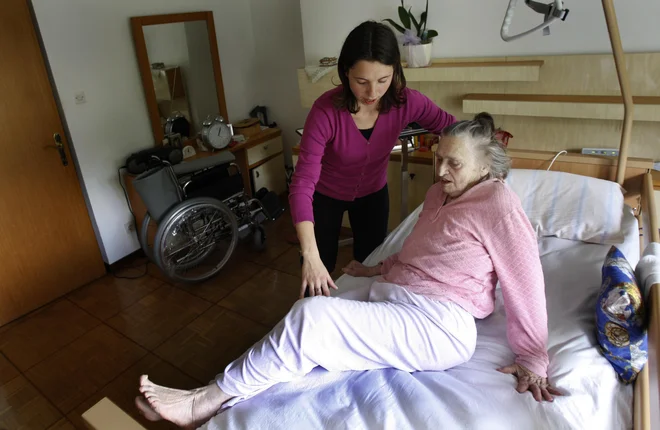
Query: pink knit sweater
x=457 y=252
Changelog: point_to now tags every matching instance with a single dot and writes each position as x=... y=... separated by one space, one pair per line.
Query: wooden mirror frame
x=137 y=23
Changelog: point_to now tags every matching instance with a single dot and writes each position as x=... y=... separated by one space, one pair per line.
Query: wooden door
x=47 y=244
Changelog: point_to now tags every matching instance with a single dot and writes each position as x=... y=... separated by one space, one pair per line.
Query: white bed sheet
x=473 y=395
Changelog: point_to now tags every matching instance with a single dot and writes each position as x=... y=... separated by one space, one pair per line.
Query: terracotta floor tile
x=123 y=390
x=74 y=373
x=234 y=274
x=266 y=297
x=208 y=344
x=109 y=295
x=22 y=407
x=159 y=315
x=62 y=424
x=7 y=370
x=289 y=262
x=32 y=338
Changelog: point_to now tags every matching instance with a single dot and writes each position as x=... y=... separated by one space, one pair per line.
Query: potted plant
x=416 y=38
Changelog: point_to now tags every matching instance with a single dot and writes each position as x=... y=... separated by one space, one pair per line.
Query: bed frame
x=643 y=388
x=634 y=175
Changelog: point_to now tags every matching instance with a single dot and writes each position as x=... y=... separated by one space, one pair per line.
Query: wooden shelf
x=656 y=179
x=561 y=106
x=490 y=71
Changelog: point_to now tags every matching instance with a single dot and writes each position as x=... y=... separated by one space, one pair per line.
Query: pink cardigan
x=337 y=161
x=457 y=252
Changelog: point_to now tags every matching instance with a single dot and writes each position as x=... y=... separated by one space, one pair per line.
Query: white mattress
x=473 y=395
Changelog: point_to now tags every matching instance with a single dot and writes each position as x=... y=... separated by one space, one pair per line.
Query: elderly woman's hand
x=357 y=269
x=530 y=381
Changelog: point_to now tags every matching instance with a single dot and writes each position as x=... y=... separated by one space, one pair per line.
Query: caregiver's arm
x=317 y=133
x=426 y=113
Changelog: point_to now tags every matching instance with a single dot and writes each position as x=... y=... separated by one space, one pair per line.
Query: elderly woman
x=419 y=314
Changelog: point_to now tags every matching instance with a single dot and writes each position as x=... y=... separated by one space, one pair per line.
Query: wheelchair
x=200 y=210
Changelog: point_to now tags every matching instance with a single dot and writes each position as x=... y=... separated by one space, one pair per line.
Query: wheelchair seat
x=186 y=167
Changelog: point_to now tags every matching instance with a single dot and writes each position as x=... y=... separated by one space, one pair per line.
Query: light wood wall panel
x=559 y=75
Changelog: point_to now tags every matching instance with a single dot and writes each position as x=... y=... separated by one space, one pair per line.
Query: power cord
x=556 y=156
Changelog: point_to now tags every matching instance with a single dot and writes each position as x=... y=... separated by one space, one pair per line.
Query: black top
x=367 y=132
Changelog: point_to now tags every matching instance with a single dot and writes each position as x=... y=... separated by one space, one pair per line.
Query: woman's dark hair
x=371 y=41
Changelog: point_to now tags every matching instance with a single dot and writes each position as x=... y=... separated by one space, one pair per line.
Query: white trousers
x=382 y=326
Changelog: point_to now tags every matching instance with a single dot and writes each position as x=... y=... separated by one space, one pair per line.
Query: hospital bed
x=474 y=395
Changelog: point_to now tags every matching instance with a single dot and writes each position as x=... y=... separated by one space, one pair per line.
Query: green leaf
x=431 y=34
x=401 y=3
x=395 y=25
x=426 y=14
x=404 y=17
x=418 y=27
x=422 y=20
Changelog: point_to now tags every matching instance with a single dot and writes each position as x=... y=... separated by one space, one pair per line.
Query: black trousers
x=368 y=216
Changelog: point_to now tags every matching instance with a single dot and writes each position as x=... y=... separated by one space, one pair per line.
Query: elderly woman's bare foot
x=181 y=407
x=146 y=410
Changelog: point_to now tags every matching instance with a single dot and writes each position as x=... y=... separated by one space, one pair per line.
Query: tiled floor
x=58 y=361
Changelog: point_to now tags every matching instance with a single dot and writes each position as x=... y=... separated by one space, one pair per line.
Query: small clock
x=216 y=133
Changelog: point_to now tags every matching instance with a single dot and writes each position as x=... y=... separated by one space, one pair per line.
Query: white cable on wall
x=556 y=156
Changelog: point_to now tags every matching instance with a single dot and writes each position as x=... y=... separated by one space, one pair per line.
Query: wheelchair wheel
x=147 y=233
x=258 y=238
x=196 y=239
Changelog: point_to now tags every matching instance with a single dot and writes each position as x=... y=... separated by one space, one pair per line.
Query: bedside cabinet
x=266 y=164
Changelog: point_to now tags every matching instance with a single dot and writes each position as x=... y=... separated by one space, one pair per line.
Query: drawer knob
x=265 y=147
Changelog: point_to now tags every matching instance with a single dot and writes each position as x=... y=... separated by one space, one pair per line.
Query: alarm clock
x=216 y=133
x=177 y=123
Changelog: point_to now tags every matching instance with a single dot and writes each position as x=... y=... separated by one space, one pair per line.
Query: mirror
x=180 y=67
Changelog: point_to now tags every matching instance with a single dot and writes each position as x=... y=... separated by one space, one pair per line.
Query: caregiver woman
x=347 y=140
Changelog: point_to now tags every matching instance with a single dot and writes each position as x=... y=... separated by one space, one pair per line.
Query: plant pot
x=418 y=55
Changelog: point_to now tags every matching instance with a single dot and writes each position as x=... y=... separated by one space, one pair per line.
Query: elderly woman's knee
x=309 y=309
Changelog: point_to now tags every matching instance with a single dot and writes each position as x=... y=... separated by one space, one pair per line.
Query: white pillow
x=570 y=206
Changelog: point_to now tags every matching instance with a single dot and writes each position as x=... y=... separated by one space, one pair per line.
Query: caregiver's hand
x=357 y=269
x=316 y=277
x=530 y=381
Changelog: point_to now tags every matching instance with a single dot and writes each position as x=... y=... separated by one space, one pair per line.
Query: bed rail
x=624 y=83
x=647 y=390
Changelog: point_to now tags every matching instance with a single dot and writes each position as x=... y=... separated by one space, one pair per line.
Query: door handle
x=60 y=148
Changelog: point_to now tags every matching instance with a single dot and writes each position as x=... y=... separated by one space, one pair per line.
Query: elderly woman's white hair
x=480 y=133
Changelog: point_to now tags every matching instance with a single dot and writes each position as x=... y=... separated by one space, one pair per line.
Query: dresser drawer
x=264 y=150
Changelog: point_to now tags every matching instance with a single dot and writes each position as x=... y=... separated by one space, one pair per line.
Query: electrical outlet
x=129 y=227
x=601 y=151
x=80 y=97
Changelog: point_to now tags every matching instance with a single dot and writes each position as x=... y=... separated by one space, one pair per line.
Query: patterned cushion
x=620 y=318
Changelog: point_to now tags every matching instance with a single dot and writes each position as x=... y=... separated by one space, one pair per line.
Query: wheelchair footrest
x=271 y=203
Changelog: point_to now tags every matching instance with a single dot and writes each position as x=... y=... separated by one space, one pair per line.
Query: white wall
x=471 y=28
x=90 y=47
x=278 y=39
